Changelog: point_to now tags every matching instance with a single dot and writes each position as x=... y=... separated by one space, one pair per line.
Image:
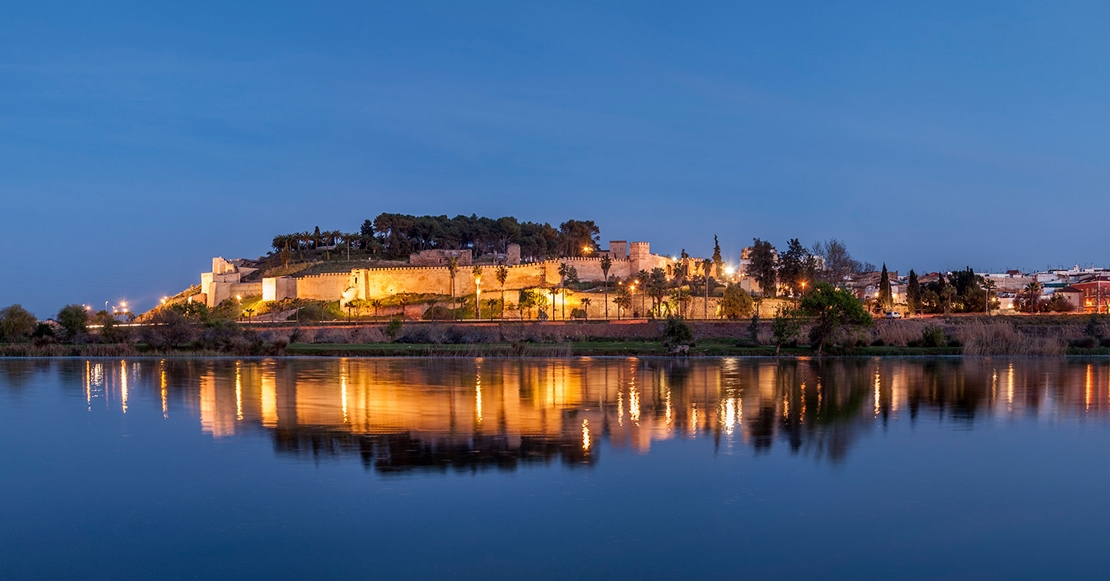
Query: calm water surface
x=561 y=469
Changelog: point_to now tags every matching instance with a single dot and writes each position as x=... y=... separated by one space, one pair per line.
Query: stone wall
x=278 y=288
x=324 y=287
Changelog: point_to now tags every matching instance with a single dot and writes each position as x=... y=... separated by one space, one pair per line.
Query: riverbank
x=974 y=336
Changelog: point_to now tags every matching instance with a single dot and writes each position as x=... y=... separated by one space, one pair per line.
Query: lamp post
x=239 y=300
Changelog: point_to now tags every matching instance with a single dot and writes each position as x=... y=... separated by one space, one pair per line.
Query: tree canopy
x=832 y=309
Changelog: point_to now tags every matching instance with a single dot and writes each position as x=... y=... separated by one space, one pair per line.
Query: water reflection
x=435 y=415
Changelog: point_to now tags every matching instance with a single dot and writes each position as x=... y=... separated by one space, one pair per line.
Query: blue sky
x=139 y=140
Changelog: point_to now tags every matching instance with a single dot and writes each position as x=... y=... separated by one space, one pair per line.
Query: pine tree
x=886 y=297
x=913 y=293
x=718 y=261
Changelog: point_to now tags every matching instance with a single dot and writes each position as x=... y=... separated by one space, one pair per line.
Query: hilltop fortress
x=427 y=273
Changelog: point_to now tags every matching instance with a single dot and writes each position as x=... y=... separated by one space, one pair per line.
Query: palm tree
x=477 y=272
x=492 y=304
x=376 y=303
x=502 y=276
x=299 y=238
x=527 y=300
x=988 y=287
x=453 y=269
x=564 y=270
x=586 y=308
x=623 y=300
x=947 y=294
x=1031 y=298
x=606 y=264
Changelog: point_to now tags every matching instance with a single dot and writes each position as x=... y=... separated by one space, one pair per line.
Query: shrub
x=933 y=336
x=394 y=328
x=676 y=332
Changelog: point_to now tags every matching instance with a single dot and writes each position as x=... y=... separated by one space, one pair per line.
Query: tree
x=74 y=320
x=586 y=308
x=718 y=261
x=656 y=286
x=606 y=264
x=736 y=303
x=832 y=309
x=1029 y=299
x=784 y=328
x=793 y=266
x=171 y=328
x=477 y=272
x=578 y=237
x=988 y=287
x=623 y=300
x=16 y=324
x=762 y=267
x=838 y=262
x=681 y=298
x=886 y=296
x=913 y=293
x=453 y=269
x=526 y=299
x=564 y=271
x=502 y=276
x=676 y=333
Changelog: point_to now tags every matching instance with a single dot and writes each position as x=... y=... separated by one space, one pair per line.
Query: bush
x=394 y=328
x=1086 y=342
x=676 y=332
x=578 y=313
x=933 y=336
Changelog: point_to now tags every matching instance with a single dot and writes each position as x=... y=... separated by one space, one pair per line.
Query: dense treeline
x=395 y=236
x=799 y=266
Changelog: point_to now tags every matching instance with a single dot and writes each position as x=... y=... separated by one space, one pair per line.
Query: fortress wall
x=278 y=288
x=324 y=287
x=383 y=282
x=245 y=289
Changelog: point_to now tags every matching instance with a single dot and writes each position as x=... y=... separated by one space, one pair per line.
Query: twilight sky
x=137 y=140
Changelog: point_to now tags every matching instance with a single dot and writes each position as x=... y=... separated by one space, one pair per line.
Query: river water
x=554 y=469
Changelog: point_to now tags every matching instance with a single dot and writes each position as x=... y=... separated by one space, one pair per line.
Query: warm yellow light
x=239 y=298
x=729 y=270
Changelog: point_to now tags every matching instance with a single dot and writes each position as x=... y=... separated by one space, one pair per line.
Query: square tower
x=618 y=249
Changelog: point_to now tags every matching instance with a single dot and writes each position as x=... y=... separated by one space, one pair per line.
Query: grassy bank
x=591 y=349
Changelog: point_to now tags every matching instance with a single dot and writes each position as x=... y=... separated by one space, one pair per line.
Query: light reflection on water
x=399 y=415
x=553 y=469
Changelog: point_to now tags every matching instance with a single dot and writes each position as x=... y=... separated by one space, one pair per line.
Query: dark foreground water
x=567 y=469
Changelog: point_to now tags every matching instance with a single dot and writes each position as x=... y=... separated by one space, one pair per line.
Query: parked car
x=893 y=315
